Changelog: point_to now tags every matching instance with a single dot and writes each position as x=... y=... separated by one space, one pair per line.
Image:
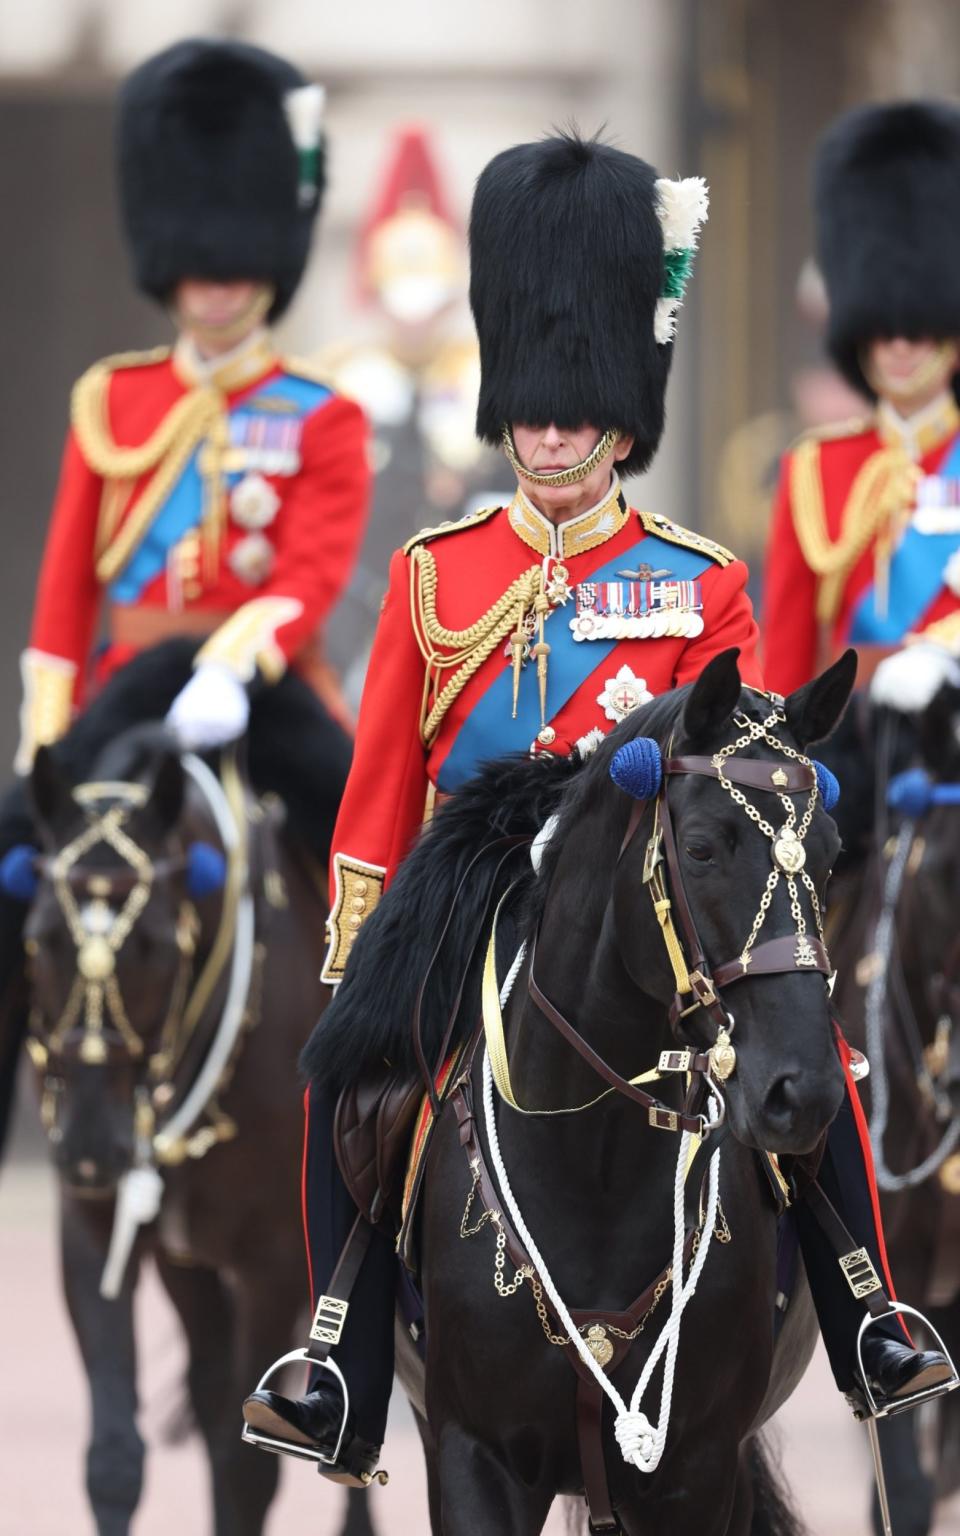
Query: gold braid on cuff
x=571 y=476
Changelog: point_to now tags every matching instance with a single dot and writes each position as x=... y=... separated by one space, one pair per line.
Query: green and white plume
x=681 y=208
x=304 y=109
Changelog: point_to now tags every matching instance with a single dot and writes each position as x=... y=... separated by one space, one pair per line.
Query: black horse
x=497 y=1398
x=898 y=993
x=140 y=912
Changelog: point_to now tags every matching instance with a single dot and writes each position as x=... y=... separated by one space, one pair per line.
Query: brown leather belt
x=140 y=628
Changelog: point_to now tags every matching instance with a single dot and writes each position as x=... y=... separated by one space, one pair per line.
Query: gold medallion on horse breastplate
x=788 y=851
x=598 y=1344
x=96 y=960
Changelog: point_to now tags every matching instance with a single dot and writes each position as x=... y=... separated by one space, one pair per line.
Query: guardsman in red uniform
x=530 y=627
x=865 y=544
x=218 y=489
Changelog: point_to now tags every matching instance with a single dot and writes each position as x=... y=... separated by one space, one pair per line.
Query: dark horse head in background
x=130 y=877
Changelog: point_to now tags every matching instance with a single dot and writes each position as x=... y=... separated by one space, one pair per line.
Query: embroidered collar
x=575 y=536
x=233 y=370
x=921 y=433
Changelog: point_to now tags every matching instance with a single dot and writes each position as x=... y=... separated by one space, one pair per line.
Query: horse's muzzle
x=795 y=1111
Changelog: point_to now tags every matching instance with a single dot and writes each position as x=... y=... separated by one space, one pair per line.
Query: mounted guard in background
x=215 y=489
x=865 y=550
x=535 y=629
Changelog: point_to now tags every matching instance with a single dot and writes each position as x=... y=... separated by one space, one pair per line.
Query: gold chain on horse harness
x=593 y=1332
x=789 y=854
x=99 y=934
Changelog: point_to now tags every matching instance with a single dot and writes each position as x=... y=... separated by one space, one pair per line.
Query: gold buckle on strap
x=328 y=1321
x=663 y=1119
x=860 y=1274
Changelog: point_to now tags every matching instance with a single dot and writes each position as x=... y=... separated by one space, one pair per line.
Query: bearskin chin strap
x=571 y=476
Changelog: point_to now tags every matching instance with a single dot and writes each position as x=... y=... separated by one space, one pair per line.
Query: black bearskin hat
x=212 y=184
x=567 y=270
x=887 y=201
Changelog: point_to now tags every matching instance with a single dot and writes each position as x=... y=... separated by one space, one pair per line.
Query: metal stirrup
x=288 y=1447
x=875 y=1412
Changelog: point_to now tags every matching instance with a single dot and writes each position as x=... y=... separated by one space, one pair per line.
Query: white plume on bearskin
x=682 y=207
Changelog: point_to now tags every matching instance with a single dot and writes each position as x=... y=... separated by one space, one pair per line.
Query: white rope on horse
x=641 y=1442
x=140 y=1189
x=875 y=1012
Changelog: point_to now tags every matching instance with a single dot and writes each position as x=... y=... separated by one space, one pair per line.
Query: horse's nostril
x=784 y=1099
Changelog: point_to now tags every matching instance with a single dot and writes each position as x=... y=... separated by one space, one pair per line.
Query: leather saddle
x=372 y=1129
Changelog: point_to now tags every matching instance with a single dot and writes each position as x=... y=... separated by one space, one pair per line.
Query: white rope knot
x=637 y=1441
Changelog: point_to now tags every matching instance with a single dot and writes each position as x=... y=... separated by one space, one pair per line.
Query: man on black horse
x=865 y=542
x=535 y=627
x=215 y=490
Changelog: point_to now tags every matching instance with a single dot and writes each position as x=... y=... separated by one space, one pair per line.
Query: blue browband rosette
x=206 y=870
x=637 y=767
x=828 y=785
x=18 y=872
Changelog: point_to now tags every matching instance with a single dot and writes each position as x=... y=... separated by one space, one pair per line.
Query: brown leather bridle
x=699 y=984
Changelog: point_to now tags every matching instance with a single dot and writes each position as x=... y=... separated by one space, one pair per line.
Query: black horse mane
x=511 y=797
x=369 y=1021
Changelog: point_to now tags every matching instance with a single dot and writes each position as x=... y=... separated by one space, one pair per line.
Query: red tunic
x=190 y=503
x=401 y=757
x=890 y=576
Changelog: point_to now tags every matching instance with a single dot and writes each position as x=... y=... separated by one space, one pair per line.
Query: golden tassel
x=518 y=641
x=541 y=650
x=215 y=501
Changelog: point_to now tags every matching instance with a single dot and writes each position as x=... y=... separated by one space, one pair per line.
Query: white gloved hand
x=211 y=710
x=909 y=679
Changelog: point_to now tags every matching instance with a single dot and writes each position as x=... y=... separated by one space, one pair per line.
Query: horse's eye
x=698 y=851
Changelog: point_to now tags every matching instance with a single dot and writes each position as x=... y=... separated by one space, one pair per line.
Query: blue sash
x=183 y=508
x=915 y=578
x=490 y=730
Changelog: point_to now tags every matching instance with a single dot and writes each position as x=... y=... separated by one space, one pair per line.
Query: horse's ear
x=815 y=710
x=714 y=697
x=167 y=790
x=938 y=732
x=50 y=789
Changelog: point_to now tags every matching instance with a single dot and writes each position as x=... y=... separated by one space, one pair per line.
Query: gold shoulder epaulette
x=305 y=368
x=831 y=431
x=482 y=515
x=92 y=382
x=662 y=528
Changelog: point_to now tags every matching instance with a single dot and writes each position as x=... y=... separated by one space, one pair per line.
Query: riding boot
x=847 y=1179
x=364 y=1353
